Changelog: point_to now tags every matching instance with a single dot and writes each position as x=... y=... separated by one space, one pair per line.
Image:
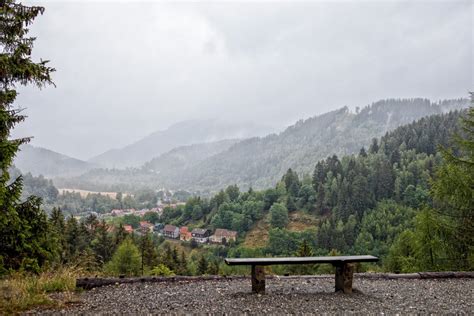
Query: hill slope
x=260 y=162
x=186 y=156
x=171 y=162
x=48 y=163
x=180 y=134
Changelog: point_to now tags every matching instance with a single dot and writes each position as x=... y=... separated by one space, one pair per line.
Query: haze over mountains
x=42 y=161
x=260 y=161
x=179 y=134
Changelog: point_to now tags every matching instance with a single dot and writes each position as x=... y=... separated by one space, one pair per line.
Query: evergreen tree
x=58 y=227
x=168 y=258
x=182 y=266
x=319 y=175
x=23 y=225
x=202 y=266
x=72 y=237
x=103 y=245
x=148 y=251
x=213 y=268
x=374 y=147
x=304 y=250
x=320 y=200
x=290 y=203
x=120 y=235
x=57 y=220
x=453 y=191
x=292 y=182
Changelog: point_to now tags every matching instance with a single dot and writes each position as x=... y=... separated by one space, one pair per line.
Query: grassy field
x=299 y=221
x=84 y=193
x=20 y=292
x=257 y=237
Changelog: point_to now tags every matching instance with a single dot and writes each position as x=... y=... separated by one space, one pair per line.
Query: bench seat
x=344 y=268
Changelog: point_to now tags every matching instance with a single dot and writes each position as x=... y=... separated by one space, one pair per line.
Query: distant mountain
x=184 y=157
x=130 y=179
x=41 y=161
x=180 y=134
x=260 y=162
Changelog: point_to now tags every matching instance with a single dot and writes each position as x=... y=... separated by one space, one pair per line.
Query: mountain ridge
x=259 y=161
x=49 y=163
x=179 y=134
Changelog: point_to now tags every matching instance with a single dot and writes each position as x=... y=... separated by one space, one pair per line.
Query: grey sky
x=126 y=69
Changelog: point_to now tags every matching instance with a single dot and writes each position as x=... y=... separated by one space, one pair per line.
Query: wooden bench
x=344 y=268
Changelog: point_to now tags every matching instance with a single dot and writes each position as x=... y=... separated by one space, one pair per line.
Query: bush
x=126 y=260
x=162 y=270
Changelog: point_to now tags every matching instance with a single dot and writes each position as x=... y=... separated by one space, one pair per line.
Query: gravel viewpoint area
x=293 y=295
x=284 y=295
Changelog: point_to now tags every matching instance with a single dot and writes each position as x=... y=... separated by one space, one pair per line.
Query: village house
x=128 y=228
x=171 y=231
x=201 y=235
x=223 y=236
x=159 y=228
x=146 y=227
x=184 y=234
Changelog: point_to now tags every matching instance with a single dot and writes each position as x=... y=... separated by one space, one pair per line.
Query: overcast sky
x=126 y=69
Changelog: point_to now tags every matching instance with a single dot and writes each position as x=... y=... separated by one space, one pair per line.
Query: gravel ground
x=284 y=296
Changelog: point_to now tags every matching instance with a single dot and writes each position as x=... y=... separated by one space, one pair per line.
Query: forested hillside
x=186 y=156
x=259 y=162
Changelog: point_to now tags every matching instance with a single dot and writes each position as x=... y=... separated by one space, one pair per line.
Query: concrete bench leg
x=258 y=279
x=344 y=275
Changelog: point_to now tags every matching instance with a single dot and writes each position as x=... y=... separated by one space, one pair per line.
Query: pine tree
x=453 y=191
x=58 y=227
x=103 y=244
x=57 y=219
x=120 y=235
x=148 y=251
x=72 y=237
x=304 y=250
x=202 y=266
x=290 y=203
x=182 y=266
x=23 y=225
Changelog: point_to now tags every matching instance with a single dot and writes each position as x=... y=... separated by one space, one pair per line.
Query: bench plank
x=344 y=268
x=335 y=260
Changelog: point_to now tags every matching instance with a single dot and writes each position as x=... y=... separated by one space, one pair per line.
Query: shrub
x=162 y=270
x=126 y=260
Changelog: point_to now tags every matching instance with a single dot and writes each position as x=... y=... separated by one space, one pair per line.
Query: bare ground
x=284 y=296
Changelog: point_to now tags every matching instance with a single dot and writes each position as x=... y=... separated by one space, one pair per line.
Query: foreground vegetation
x=22 y=291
